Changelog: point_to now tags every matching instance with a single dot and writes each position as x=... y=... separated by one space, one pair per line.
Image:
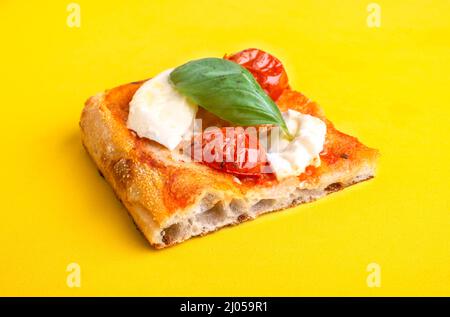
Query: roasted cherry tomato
x=267 y=69
x=233 y=150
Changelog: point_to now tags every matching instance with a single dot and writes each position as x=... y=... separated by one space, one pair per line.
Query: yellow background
x=389 y=86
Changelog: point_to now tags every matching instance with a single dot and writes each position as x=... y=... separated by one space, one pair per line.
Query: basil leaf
x=228 y=90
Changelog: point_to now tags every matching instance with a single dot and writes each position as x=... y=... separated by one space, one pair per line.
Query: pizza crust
x=172 y=201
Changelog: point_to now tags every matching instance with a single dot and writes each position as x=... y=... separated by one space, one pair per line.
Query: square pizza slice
x=139 y=148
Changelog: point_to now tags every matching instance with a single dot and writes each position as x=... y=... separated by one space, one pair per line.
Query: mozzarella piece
x=160 y=113
x=290 y=158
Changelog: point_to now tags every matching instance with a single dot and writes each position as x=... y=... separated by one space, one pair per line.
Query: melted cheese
x=160 y=113
x=291 y=157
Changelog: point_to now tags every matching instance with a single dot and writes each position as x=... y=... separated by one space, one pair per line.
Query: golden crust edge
x=104 y=147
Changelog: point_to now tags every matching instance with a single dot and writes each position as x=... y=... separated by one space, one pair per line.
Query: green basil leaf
x=227 y=90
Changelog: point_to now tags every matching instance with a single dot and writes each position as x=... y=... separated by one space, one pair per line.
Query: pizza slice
x=216 y=142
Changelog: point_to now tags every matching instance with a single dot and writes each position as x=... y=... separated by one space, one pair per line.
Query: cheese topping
x=160 y=113
x=290 y=158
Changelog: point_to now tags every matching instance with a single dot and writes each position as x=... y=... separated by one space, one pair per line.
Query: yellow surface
x=389 y=86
